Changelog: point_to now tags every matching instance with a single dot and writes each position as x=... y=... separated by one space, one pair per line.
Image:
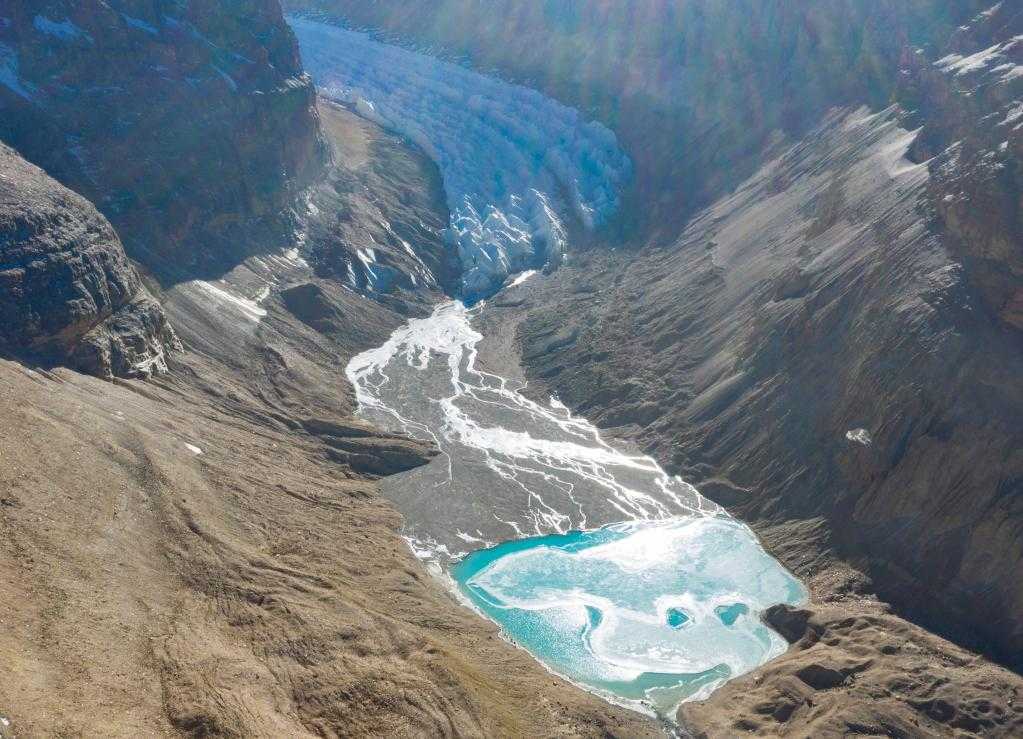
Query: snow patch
x=994 y=59
x=894 y=155
x=139 y=24
x=519 y=279
x=226 y=77
x=248 y=308
x=193 y=449
x=514 y=162
x=1013 y=115
x=860 y=436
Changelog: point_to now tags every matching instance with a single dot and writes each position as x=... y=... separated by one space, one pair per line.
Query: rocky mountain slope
x=811 y=355
x=206 y=554
x=67 y=291
x=191 y=128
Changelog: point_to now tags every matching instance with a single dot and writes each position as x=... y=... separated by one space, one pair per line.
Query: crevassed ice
x=513 y=161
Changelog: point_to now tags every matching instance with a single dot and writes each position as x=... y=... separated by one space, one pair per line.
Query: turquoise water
x=652 y=612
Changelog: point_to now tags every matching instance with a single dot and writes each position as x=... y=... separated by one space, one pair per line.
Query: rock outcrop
x=968 y=95
x=67 y=291
x=864 y=673
x=191 y=126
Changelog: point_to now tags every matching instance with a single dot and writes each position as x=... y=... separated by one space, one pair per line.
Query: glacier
x=516 y=164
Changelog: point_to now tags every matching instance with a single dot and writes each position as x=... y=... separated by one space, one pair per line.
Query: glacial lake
x=649 y=612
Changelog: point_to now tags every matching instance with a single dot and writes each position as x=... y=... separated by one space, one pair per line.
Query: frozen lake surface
x=649 y=611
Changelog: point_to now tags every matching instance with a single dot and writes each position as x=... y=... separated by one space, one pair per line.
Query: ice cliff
x=515 y=163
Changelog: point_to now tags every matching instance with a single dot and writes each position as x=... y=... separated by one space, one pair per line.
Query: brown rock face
x=862 y=674
x=67 y=290
x=191 y=125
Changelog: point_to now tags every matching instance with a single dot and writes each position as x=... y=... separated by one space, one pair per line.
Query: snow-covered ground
x=514 y=162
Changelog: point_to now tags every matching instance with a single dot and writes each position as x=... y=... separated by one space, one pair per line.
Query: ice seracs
x=515 y=163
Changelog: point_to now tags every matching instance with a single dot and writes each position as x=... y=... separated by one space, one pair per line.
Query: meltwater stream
x=611 y=572
x=614 y=574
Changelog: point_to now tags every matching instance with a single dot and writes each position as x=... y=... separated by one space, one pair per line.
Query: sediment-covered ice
x=514 y=162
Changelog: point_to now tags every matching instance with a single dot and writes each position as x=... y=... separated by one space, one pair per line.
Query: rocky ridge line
x=67 y=291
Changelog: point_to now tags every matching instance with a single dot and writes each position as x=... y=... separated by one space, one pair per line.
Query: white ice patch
x=860 y=436
x=513 y=161
x=249 y=309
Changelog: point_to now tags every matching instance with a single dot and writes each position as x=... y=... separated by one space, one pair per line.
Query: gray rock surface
x=190 y=125
x=67 y=291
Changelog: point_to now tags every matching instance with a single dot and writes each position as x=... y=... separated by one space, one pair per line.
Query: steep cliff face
x=969 y=97
x=67 y=290
x=190 y=125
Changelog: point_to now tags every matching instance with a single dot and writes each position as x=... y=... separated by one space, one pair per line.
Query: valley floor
x=207 y=554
